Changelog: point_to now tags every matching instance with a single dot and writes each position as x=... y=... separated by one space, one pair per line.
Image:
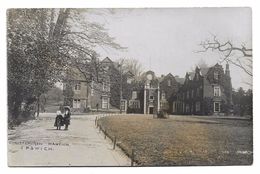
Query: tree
x=32 y=64
x=45 y=43
x=132 y=65
x=202 y=64
x=240 y=56
x=243 y=102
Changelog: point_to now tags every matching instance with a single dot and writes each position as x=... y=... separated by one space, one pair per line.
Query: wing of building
x=207 y=91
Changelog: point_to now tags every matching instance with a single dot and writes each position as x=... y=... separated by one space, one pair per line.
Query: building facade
x=93 y=95
x=205 y=92
x=151 y=94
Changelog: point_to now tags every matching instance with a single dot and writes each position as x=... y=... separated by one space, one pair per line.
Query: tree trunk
x=38 y=106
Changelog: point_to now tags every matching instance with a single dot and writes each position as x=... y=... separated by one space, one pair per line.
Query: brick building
x=207 y=91
x=82 y=95
x=151 y=93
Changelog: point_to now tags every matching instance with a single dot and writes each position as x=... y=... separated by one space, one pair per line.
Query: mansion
x=206 y=91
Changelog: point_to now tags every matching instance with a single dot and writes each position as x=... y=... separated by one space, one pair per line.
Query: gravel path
x=38 y=143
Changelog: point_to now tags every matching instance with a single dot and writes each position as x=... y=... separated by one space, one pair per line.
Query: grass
x=182 y=140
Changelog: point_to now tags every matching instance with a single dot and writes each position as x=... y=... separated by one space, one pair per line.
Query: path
x=37 y=143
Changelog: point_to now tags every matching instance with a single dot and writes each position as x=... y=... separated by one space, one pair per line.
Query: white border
x=125 y=4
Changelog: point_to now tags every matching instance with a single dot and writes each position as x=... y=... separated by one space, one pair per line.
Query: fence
x=113 y=138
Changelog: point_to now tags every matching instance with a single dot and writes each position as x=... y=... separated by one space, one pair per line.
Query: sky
x=166 y=40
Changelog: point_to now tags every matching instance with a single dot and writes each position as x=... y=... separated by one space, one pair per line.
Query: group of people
x=63 y=120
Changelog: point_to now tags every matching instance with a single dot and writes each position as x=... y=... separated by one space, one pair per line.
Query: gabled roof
x=162 y=78
x=107 y=60
x=129 y=74
x=169 y=75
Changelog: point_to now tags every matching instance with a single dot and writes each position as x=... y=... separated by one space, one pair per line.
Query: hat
x=58 y=112
x=67 y=107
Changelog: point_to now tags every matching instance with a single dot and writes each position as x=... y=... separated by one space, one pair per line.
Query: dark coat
x=67 y=118
x=60 y=118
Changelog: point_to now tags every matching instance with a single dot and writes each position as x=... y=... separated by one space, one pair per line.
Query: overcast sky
x=164 y=40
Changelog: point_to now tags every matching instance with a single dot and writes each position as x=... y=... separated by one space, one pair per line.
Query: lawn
x=182 y=140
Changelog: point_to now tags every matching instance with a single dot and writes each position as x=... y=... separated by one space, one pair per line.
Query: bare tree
x=132 y=65
x=240 y=56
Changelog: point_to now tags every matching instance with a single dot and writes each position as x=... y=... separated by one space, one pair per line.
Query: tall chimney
x=227 y=72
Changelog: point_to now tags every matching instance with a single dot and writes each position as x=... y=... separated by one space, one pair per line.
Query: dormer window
x=216 y=75
x=77 y=86
x=106 y=68
x=169 y=83
x=106 y=86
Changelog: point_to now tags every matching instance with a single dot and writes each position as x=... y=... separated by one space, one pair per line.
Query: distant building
x=207 y=91
x=103 y=95
x=75 y=91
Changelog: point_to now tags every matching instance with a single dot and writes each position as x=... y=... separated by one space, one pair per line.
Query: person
x=58 y=120
x=97 y=107
x=67 y=118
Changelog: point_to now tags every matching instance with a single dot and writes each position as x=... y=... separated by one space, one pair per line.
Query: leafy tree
x=243 y=102
x=42 y=45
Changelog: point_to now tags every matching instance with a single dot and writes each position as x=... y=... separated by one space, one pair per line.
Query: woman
x=59 y=120
x=67 y=117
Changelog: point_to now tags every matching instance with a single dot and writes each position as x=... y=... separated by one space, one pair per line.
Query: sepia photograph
x=129 y=86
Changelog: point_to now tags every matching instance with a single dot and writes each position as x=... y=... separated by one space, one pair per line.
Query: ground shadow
x=198 y=121
x=54 y=129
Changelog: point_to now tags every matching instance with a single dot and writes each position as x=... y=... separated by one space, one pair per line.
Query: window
x=192 y=93
x=197 y=106
x=188 y=94
x=76 y=103
x=106 y=86
x=198 y=92
x=187 y=108
x=129 y=80
x=104 y=103
x=134 y=95
x=151 y=97
x=216 y=107
x=169 y=83
x=217 y=92
x=134 y=104
x=105 y=68
x=123 y=105
x=92 y=88
x=163 y=95
x=77 y=86
x=216 y=75
x=64 y=86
